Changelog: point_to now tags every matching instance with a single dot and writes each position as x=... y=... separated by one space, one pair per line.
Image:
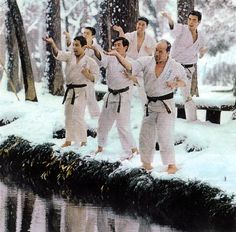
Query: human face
x=161 y=55
x=193 y=22
x=118 y=45
x=78 y=49
x=141 y=26
x=87 y=34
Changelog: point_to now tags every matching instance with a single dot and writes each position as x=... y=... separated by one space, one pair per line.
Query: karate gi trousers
x=76 y=129
x=189 y=105
x=157 y=125
x=106 y=120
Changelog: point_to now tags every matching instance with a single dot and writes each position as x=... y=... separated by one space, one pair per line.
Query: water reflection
x=22 y=211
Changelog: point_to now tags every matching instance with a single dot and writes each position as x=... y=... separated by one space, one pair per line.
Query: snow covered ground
x=214 y=164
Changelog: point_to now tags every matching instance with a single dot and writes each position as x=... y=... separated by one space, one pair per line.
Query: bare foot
x=127 y=157
x=66 y=144
x=172 y=169
x=83 y=144
x=147 y=166
x=99 y=149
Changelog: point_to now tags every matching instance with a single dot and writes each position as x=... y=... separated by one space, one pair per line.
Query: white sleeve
x=128 y=36
x=104 y=60
x=99 y=48
x=63 y=56
x=150 y=44
x=137 y=69
x=181 y=73
x=177 y=30
x=94 y=68
x=153 y=44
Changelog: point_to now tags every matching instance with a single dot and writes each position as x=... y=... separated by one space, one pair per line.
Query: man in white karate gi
x=161 y=74
x=188 y=45
x=80 y=71
x=117 y=102
x=140 y=44
x=89 y=34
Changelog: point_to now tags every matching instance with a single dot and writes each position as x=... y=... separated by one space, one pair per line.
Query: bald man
x=161 y=75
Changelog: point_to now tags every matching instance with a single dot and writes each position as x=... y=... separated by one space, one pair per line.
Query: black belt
x=72 y=86
x=160 y=98
x=115 y=92
x=187 y=65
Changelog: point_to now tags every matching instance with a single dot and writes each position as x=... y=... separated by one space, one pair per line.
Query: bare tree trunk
x=32 y=38
x=53 y=71
x=3 y=48
x=27 y=211
x=11 y=213
x=115 y=12
x=53 y=216
x=184 y=7
x=28 y=78
x=66 y=18
x=13 y=59
x=234 y=88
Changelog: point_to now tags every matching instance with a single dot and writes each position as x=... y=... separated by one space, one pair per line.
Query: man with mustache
x=80 y=71
x=161 y=75
x=117 y=102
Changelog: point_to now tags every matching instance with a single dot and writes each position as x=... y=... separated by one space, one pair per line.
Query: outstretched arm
x=96 y=51
x=51 y=42
x=170 y=20
x=120 y=30
x=121 y=59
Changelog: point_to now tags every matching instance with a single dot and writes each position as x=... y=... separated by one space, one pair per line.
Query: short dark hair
x=92 y=29
x=125 y=42
x=196 y=13
x=143 y=19
x=167 y=43
x=81 y=39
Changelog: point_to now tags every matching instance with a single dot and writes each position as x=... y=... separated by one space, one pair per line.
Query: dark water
x=22 y=211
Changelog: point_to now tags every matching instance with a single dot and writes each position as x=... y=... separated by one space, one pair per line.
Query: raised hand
x=66 y=33
x=111 y=53
x=89 y=47
x=117 y=28
x=165 y=14
x=48 y=39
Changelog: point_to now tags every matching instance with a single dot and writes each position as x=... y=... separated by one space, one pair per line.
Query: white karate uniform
x=76 y=129
x=92 y=103
x=147 y=49
x=186 y=52
x=159 y=123
x=116 y=80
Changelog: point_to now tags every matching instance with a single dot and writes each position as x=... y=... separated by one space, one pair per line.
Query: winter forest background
x=218 y=68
